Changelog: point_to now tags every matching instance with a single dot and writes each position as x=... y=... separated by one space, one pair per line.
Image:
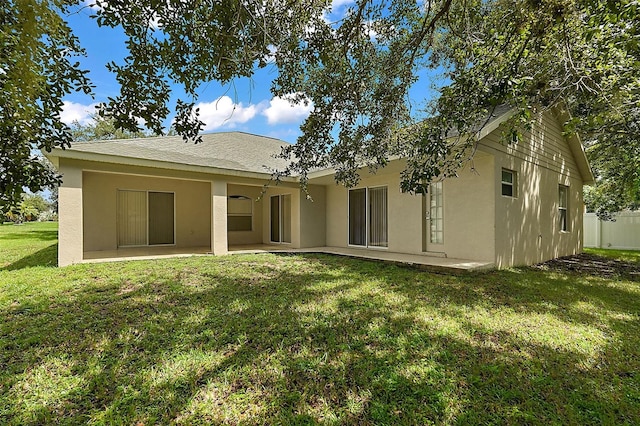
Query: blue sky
x=244 y=105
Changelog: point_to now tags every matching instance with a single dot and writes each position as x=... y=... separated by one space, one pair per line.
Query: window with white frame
x=436 y=213
x=509 y=183
x=239 y=213
x=563 y=204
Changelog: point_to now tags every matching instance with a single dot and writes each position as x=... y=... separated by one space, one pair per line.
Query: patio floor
x=142 y=253
x=434 y=263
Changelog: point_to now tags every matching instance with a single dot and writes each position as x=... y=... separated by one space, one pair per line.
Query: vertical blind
x=281 y=218
x=161 y=218
x=145 y=218
x=285 y=207
x=275 y=219
x=378 y=217
x=368 y=217
x=132 y=218
x=358 y=217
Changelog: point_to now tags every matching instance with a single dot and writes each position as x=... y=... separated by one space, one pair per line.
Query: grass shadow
x=47 y=256
x=41 y=235
x=311 y=339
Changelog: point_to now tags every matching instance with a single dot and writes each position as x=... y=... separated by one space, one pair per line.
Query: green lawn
x=308 y=339
x=623 y=255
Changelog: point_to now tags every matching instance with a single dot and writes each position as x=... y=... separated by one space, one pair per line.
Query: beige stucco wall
x=528 y=227
x=218 y=217
x=312 y=217
x=255 y=235
x=468 y=212
x=479 y=223
x=70 y=242
x=404 y=211
x=307 y=216
x=192 y=204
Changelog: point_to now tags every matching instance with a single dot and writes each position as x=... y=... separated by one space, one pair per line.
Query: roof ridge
x=99 y=141
x=260 y=136
x=170 y=137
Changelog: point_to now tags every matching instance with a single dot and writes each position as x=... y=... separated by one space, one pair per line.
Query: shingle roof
x=229 y=150
x=499 y=113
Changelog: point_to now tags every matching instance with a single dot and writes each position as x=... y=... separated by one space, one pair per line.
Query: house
x=516 y=204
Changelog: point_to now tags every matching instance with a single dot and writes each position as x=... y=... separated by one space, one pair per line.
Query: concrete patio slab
x=142 y=253
x=436 y=262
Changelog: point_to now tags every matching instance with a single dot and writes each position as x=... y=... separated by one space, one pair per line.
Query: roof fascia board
x=330 y=171
x=129 y=161
x=493 y=125
x=577 y=149
x=321 y=173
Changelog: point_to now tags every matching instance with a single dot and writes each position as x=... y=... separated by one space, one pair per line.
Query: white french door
x=433 y=225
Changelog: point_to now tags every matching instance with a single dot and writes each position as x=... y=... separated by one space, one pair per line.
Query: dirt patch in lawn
x=591 y=264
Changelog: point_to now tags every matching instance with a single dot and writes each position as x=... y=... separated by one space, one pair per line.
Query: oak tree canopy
x=579 y=55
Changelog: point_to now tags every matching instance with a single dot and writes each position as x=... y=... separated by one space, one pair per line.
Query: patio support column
x=70 y=225
x=219 y=243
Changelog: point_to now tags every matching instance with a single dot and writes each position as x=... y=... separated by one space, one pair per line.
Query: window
x=368 y=216
x=436 y=214
x=509 y=183
x=563 y=195
x=239 y=213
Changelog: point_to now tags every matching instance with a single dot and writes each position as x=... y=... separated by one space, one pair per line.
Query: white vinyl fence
x=624 y=233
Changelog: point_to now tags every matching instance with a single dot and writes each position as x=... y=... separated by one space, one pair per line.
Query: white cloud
x=271 y=57
x=284 y=110
x=223 y=112
x=92 y=4
x=369 y=28
x=72 y=111
x=337 y=10
x=336 y=4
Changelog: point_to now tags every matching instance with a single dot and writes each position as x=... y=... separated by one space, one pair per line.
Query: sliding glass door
x=368 y=217
x=378 y=217
x=161 y=218
x=145 y=218
x=358 y=217
x=132 y=218
x=281 y=218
